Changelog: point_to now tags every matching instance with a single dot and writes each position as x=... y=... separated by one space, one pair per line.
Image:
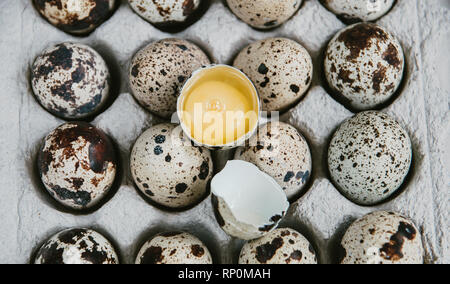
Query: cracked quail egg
x=168 y=169
x=77 y=165
x=364 y=66
x=174 y=248
x=77 y=246
x=281 y=70
x=382 y=238
x=70 y=80
x=282 y=152
x=369 y=157
x=158 y=71
x=352 y=11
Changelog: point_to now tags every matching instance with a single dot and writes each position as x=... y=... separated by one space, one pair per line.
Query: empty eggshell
x=174 y=248
x=77 y=165
x=352 y=11
x=281 y=246
x=158 y=71
x=281 y=70
x=282 y=152
x=248 y=203
x=70 y=80
x=364 y=66
x=369 y=157
x=75 y=17
x=169 y=172
x=382 y=238
x=264 y=14
x=77 y=246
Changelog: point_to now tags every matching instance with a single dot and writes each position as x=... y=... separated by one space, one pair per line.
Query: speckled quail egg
x=77 y=246
x=281 y=70
x=75 y=17
x=352 y=11
x=282 y=152
x=364 y=66
x=281 y=246
x=77 y=165
x=174 y=248
x=158 y=71
x=168 y=169
x=382 y=238
x=369 y=157
x=264 y=14
x=71 y=80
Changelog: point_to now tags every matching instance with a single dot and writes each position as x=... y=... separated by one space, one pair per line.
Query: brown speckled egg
x=353 y=11
x=77 y=246
x=168 y=169
x=369 y=157
x=282 y=152
x=174 y=248
x=264 y=14
x=281 y=70
x=382 y=238
x=70 y=80
x=158 y=71
x=77 y=164
x=75 y=17
x=364 y=66
x=281 y=246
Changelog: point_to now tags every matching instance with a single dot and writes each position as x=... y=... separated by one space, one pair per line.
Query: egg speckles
x=282 y=152
x=364 y=66
x=264 y=14
x=351 y=11
x=75 y=17
x=77 y=246
x=158 y=71
x=77 y=165
x=70 y=80
x=369 y=157
x=171 y=174
x=281 y=246
x=382 y=238
x=281 y=69
x=174 y=248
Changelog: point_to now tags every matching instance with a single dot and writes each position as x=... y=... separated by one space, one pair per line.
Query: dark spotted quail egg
x=364 y=66
x=264 y=14
x=159 y=70
x=281 y=70
x=75 y=17
x=77 y=165
x=70 y=80
x=282 y=152
x=352 y=11
x=281 y=246
x=77 y=246
x=369 y=157
x=174 y=248
x=169 y=170
x=382 y=238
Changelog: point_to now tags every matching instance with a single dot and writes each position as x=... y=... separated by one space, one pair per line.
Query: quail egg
x=70 y=80
x=168 y=169
x=382 y=238
x=75 y=17
x=282 y=152
x=77 y=246
x=281 y=246
x=369 y=157
x=352 y=11
x=281 y=70
x=174 y=248
x=159 y=70
x=364 y=66
x=77 y=165
x=264 y=14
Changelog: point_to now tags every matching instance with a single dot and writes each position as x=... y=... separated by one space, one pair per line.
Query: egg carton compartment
x=30 y=216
